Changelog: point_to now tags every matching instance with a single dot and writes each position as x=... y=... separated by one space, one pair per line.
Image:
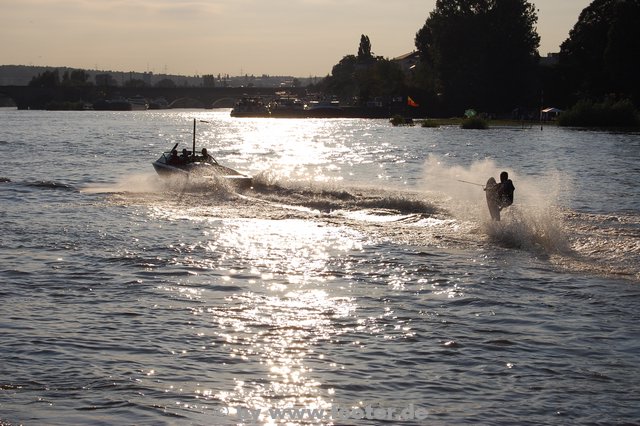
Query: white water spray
x=532 y=222
x=133 y=183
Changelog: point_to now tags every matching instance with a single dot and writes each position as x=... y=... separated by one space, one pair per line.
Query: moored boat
x=116 y=104
x=158 y=103
x=250 y=107
x=287 y=107
x=138 y=103
x=324 y=109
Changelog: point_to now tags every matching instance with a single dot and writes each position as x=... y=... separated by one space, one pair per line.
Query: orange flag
x=411 y=102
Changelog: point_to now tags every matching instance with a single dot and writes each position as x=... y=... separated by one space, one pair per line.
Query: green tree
x=364 y=77
x=76 y=78
x=364 y=50
x=480 y=53
x=383 y=79
x=135 y=82
x=166 y=83
x=602 y=54
x=46 y=79
x=105 y=80
x=342 y=81
x=208 y=80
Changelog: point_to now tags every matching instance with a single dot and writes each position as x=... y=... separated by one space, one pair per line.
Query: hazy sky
x=193 y=37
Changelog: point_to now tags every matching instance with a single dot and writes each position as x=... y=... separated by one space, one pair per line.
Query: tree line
x=81 y=78
x=483 y=54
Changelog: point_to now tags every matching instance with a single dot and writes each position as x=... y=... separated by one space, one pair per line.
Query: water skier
x=499 y=195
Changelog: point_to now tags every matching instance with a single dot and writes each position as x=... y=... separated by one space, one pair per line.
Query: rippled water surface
x=360 y=281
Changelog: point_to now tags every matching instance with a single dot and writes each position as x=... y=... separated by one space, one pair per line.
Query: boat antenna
x=193 y=151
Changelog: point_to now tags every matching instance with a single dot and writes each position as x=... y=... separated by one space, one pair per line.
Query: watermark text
x=335 y=412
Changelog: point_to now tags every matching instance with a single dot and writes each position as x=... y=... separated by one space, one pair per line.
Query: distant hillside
x=21 y=75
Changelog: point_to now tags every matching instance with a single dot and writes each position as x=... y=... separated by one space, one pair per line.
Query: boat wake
x=603 y=244
x=537 y=230
x=452 y=216
x=139 y=183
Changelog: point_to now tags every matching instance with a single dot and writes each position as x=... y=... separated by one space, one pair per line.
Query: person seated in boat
x=185 y=156
x=206 y=158
x=174 y=160
x=505 y=191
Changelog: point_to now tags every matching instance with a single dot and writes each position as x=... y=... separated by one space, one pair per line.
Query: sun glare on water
x=280 y=323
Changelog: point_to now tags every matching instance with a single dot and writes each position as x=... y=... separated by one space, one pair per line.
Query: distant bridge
x=27 y=97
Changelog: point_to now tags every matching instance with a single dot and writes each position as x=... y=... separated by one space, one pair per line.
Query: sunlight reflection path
x=280 y=323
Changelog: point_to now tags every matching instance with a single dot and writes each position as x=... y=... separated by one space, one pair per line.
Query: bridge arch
x=6 y=100
x=224 y=103
x=187 y=102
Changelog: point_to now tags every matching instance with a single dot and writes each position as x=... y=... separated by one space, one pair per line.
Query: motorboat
x=324 y=109
x=138 y=103
x=190 y=164
x=116 y=104
x=158 y=103
x=287 y=107
x=250 y=107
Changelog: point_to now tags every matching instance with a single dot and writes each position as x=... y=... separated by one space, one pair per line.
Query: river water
x=359 y=282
